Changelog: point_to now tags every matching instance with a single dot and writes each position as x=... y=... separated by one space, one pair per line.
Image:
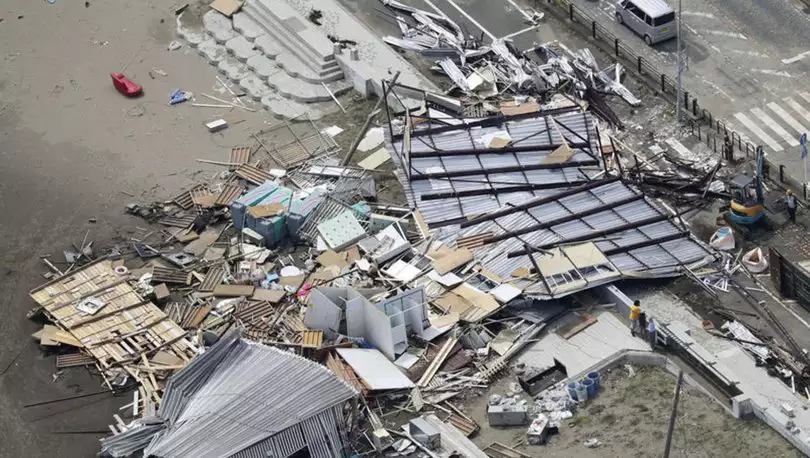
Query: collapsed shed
x=244 y=399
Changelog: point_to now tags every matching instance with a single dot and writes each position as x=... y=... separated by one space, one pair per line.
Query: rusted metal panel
x=183 y=200
x=229 y=193
x=239 y=155
x=177 y=221
x=166 y=275
x=212 y=279
x=252 y=174
x=73 y=360
x=311 y=339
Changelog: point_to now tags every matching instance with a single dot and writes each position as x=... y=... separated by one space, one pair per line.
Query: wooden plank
x=234 y=290
x=452 y=261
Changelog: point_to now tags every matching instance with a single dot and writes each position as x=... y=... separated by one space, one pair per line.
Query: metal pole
x=680 y=70
x=369 y=118
x=674 y=414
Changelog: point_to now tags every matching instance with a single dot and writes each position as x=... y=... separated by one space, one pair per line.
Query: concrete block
x=508 y=415
x=424 y=433
x=233 y=69
x=742 y=407
x=218 y=26
x=212 y=51
x=241 y=48
x=247 y=26
x=360 y=74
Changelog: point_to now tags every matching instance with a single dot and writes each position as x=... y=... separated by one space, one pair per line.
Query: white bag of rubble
x=723 y=239
x=755 y=261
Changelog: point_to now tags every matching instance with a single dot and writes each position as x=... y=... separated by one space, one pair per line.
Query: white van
x=654 y=20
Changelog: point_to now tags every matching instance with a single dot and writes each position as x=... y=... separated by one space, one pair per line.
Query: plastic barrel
x=590 y=387
x=582 y=392
x=597 y=379
x=572 y=391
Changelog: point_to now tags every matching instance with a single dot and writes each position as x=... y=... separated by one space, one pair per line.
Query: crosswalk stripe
x=774 y=126
x=767 y=139
x=790 y=120
x=798 y=108
x=805 y=96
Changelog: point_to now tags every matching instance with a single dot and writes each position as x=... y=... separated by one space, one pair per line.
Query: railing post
x=616 y=46
x=640 y=72
x=593 y=29
x=571 y=11
x=662 y=83
x=781 y=173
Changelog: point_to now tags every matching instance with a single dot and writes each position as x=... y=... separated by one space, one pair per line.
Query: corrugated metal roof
x=599 y=204
x=240 y=393
x=473 y=184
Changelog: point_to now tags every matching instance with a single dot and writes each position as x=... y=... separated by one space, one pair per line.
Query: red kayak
x=126 y=86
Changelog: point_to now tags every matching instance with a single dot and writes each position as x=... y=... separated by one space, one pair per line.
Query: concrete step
x=305 y=33
x=290 y=41
x=283 y=108
x=272 y=59
x=301 y=91
x=218 y=26
x=245 y=25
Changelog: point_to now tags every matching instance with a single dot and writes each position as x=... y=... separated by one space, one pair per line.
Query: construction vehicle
x=747 y=196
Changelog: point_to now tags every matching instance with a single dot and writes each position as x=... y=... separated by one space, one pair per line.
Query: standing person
x=728 y=148
x=792 y=204
x=635 y=311
x=651 y=333
x=642 y=324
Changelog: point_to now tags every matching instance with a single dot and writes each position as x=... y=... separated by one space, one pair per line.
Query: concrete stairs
x=307 y=48
x=287 y=80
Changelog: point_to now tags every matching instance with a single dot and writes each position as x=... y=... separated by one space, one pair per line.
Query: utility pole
x=674 y=414
x=680 y=71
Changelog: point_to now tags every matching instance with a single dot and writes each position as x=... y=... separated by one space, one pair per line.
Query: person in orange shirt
x=635 y=312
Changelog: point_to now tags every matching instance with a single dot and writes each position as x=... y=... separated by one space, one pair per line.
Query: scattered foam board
x=373 y=139
x=375 y=369
x=375 y=159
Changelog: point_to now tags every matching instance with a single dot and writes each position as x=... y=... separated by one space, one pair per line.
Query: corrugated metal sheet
x=228 y=194
x=252 y=174
x=245 y=399
x=655 y=260
x=239 y=155
x=575 y=127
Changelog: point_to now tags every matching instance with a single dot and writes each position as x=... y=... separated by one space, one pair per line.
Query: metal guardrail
x=702 y=124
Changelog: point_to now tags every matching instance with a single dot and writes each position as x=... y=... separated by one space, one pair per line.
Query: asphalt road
x=747 y=63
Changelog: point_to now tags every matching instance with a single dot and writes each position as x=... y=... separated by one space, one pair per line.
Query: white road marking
x=678 y=147
x=790 y=120
x=470 y=18
x=725 y=34
x=805 y=96
x=520 y=32
x=698 y=14
x=774 y=126
x=767 y=139
x=520 y=10
x=798 y=108
x=766 y=71
x=796 y=58
x=749 y=53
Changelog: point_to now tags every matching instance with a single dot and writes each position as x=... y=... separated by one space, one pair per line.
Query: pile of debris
x=545 y=76
x=286 y=262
